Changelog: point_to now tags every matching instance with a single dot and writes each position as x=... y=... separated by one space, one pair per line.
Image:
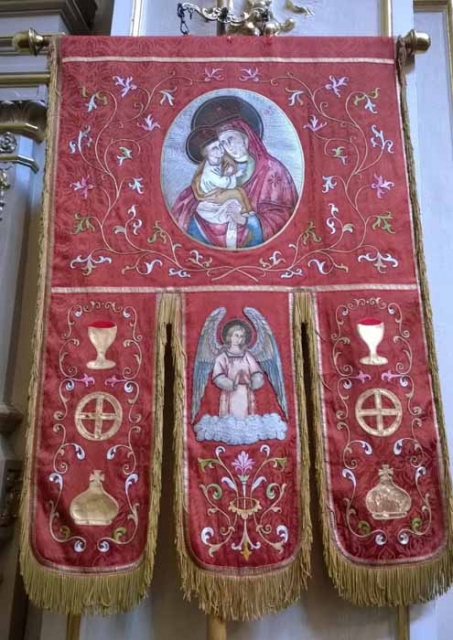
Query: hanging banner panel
x=257 y=196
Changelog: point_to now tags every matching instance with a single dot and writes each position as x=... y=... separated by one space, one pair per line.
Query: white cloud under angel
x=231 y=430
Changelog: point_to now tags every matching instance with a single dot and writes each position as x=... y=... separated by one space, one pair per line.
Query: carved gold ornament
x=91 y=424
x=380 y=411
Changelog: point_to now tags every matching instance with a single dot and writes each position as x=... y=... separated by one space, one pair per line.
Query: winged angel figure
x=238 y=369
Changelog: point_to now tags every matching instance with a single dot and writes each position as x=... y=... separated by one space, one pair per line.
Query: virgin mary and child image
x=238 y=367
x=240 y=195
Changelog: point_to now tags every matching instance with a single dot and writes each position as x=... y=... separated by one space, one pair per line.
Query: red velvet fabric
x=336 y=220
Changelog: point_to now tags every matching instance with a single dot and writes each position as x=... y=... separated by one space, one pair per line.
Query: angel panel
x=238 y=366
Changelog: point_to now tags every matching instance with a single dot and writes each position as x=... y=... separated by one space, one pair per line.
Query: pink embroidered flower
x=243 y=463
x=381 y=185
x=82 y=186
x=149 y=123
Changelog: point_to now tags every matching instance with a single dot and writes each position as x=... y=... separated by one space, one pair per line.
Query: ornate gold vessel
x=387 y=501
x=94 y=507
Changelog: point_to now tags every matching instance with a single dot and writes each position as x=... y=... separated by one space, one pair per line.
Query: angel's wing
x=207 y=350
x=265 y=351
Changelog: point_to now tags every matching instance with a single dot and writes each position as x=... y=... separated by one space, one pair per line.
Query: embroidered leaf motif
x=329 y=183
x=310 y=233
x=364 y=527
x=167 y=96
x=416 y=524
x=83 y=139
x=159 y=234
x=368 y=98
x=90 y=263
x=94 y=98
x=136 y=185
x=198 y=259
x=291 y=273
x=212 y=74
x=383 y=222
x=119 y=533
x=207 y=463
x=181 y=273
x=381 y=185
x=335 y=83
x=82 y=223
x=295 y=97
x=149 y=266
x=338 y=153
x=216 y=491
x=149 y=123
x=126 y=154
x=274 y=260
x=126 y=84
x=279 y=462
x=271 y=491
x=314 y=124
x=348 y=227
x=379 y=260
x=378 y=140
x=250 y=74
x=65 y=532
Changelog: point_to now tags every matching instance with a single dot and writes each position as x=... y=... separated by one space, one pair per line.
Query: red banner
x=254 y=194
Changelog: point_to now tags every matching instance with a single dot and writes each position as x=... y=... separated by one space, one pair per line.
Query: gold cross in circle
x=98 y=417
x=379 y=411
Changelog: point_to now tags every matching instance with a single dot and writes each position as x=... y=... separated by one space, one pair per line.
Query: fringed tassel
x=390 y=585
x=52 y=589
x=241 y=597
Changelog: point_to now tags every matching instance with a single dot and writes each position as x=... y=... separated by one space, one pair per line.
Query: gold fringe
x=388 y=585
x=241 y=597
x=52 y=589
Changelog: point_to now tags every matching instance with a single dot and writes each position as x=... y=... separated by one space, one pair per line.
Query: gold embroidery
x=387 y=501
x=94 y=507
x=379 y=411
x=101 y=335
x=98 y=416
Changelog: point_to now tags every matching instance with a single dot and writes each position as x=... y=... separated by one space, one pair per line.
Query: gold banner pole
x=73 y=627
x=216 y=627
x=402 y=623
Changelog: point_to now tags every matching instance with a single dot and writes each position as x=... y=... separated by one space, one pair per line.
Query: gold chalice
x=101 y=334
x=371 y=330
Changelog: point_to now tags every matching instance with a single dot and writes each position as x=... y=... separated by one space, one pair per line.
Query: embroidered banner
x=253 y=194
